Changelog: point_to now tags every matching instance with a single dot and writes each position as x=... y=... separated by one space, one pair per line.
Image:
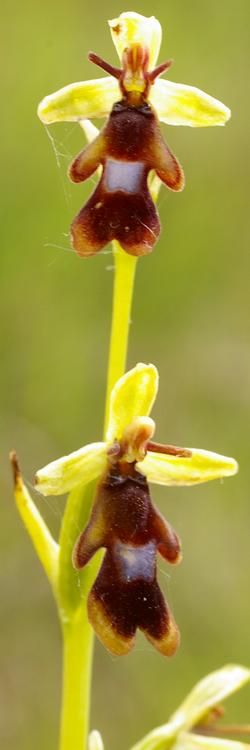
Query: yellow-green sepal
x=132 y=396
x=191 y=741
x=78 y=101
x=131 y=28
x=200 y=466
x=179 y=104
x=68 y=472
x=208 y=693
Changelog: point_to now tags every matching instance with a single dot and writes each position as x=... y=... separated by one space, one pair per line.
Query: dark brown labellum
x=128 y=148
x=126 y=595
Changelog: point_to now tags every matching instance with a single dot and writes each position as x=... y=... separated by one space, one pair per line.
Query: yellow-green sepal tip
x=131 y=29
x=180 y=104
x=200 y=466
x=209 y=693
x=79 y=101
x=132 y=396
x=76 y=469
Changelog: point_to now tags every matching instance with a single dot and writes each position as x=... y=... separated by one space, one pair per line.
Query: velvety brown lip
x=121 y=208
x=126 y=594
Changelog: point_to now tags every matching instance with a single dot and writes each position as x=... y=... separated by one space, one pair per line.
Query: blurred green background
x=190 y=317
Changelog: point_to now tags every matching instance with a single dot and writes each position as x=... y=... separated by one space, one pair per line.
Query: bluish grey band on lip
x=123 y=175
x=135 y=562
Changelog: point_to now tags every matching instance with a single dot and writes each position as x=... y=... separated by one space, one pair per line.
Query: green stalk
x=78 y=636
x=125 y=266
x=74 y=587
x=76 y=681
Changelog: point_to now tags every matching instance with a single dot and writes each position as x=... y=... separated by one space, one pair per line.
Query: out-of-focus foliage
x=190 y=317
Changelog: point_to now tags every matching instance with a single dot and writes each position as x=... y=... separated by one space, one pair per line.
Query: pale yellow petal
x=132 y=396
x=70 y=471
x=208 y=693
x=178 y=104
x=78 y=101
x=132 y=28
x=189 y=741
x=201 y=466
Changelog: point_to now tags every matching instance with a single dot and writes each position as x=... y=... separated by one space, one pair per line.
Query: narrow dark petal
x=159 y=70
x=97 y=60
x=169 y=450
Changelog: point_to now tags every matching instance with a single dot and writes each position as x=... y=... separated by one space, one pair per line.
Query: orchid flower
x=193 y=725
x=130 y=146
x=123 y=520
x=128 y=438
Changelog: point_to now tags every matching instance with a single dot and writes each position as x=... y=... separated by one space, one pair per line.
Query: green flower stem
x=77 y=653
x=125 y=266
x=73 y=587
x=78 y=637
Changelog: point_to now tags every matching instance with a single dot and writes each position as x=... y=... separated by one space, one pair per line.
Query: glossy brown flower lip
x=128 y=148
x=126 y=595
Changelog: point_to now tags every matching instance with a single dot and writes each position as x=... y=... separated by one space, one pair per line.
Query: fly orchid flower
x=130 y=145
x=194 y=724
x=126 y=595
